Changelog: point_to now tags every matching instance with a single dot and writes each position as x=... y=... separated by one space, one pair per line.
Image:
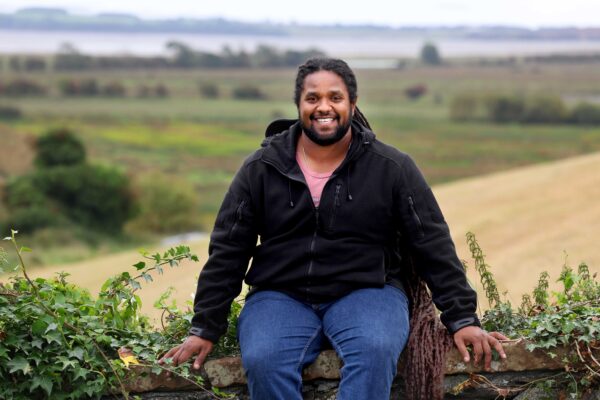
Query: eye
x=310 y=99
x=337 y=98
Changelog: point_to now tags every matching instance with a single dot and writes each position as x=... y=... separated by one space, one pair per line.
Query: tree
x=430 y=54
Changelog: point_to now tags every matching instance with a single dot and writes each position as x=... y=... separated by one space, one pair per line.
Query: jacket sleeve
x=232 y=243
x=433 y=250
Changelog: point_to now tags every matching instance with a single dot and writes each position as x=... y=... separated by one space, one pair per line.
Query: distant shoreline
x=384 y=48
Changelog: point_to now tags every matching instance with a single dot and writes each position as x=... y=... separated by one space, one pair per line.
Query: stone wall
x=507 y=379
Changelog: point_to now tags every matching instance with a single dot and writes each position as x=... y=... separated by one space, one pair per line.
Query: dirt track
x=525 y=221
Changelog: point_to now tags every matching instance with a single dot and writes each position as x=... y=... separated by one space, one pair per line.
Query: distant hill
x=59 y=19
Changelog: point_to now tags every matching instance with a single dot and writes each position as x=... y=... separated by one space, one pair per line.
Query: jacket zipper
x=238 y=218
x=415 y=217
x=336 y=204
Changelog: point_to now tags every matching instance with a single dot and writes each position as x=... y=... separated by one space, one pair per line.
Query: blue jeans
x=279 y=336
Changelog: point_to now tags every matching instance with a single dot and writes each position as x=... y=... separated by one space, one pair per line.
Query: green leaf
x=41 y=381
x=140 y=265
x=38 y=327
x=25 y=250
x=19 y=364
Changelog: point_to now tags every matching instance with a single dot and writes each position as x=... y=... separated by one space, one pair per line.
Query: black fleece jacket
x=374 y=200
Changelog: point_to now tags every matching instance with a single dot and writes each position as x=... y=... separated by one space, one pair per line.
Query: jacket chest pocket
x=238 y=217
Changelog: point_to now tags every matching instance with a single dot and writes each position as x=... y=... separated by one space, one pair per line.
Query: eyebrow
x=331 y=92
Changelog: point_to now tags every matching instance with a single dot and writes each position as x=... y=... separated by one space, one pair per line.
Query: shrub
x=504 y=108
x=74 y=87
x=22 y=87
x=585 y=114
x=415 y=92
x=166 y=205
x=23 y=192
x=248 y=92
x=113 y=89
x=208 y=90
x=161 y=90
x=59 y=147
x=464 y=107
x=28 y=220
x=545 y=109
x=94 y=196
x=10 y=113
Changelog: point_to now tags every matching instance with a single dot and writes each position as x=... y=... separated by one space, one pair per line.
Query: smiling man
x=332 y=206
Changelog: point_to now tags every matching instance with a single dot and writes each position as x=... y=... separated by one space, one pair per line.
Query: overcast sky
x=527 y=13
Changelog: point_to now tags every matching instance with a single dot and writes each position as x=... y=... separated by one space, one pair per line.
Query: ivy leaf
x=140 y=265
x=19 y=364
x=77 y=353
x=41 y=381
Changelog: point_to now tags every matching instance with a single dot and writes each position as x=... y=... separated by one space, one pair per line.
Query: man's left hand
x=482 y=343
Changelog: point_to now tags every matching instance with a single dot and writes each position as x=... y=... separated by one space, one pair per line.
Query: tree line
x=181 y=55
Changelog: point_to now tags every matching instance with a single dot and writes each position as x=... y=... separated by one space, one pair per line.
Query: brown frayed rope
x=425 y=353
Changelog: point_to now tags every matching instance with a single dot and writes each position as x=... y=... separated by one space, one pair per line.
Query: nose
x=324 y=106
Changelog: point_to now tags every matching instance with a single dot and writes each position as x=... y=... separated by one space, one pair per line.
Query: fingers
x=462 y=348
x=201 y=357
x=477 y=351
x=487 y=353
x=169 y=354
x=496 y=344
x=498 y=335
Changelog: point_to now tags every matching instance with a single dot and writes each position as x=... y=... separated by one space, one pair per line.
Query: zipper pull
x=337 y=195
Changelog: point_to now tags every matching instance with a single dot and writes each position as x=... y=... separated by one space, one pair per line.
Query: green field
x=204 y=140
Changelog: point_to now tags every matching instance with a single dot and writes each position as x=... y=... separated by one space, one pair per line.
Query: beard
x=316 y=138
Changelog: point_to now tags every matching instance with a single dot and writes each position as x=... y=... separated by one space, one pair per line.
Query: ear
x=353 y=105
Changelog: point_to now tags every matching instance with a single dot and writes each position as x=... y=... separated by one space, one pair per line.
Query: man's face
x=325 y=110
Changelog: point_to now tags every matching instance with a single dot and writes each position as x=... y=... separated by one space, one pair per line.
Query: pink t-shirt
x=315 y=181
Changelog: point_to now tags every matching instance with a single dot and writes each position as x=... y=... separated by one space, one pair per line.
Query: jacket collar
x=280 y=148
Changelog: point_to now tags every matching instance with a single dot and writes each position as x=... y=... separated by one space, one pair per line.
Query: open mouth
x=324 y=120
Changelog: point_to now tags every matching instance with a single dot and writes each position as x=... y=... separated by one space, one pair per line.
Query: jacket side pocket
x=415 y=217
x=238 y=218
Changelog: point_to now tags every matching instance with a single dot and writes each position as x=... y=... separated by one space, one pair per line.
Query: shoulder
x=390 y=154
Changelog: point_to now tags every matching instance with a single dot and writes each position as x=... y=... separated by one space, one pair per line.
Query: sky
x=525 y=13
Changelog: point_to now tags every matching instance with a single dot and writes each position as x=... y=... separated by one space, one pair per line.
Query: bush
x=23 y=192
x=59 y=147
x=166 y=205
x=504 y=108
x=22 y=87
x=585 y=114
x=415 y=92
x=10 y=113
x=113 y=89
x=28 y=220
x=208 y=90
x=464 y=107
x=545 y=109
x=94 y=196
x=74 y=87
x=248 y=92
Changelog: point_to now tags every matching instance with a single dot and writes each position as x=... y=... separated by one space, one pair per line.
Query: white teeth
x=324 y=120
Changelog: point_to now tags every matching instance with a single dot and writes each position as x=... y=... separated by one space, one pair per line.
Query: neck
x=324 y=158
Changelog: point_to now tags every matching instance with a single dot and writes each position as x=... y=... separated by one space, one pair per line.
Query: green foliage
x=59 y=147
x=57 y=341
x=95 y=196
x=9 y=113
x=585 y=114
x=208 y=90
x=544 y=110
x=430 y=54
x=568 y=318
x=486 y=276
x=166 y=205
x=464 y=107
x=22 y=87
x=504 y=108
x=248 y=92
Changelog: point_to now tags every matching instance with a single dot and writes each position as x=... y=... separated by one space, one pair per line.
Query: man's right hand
x=192 y=346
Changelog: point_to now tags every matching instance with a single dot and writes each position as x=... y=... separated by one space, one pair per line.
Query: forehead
x=324 y=81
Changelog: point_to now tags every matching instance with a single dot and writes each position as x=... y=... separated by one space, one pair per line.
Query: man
x=332 y=206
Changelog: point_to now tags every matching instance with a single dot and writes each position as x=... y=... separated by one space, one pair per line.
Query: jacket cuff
x=204 y=334
x=458 y=324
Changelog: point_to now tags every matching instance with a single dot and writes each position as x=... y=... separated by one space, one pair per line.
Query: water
x=383 y=48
